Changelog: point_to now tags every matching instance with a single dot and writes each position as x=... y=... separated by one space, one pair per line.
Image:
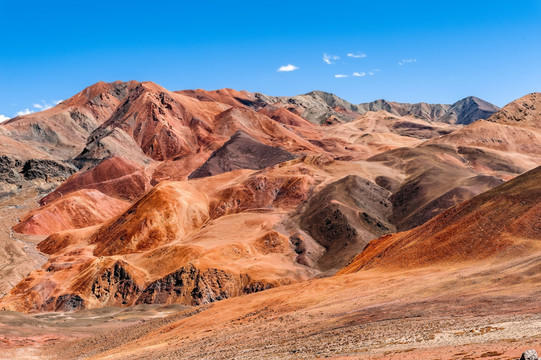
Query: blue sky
x=50 y=50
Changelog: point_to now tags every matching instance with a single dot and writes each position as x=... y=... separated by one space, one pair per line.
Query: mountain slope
x=446 y=170
x=77 y=209
x=62 y=130
x=117 y=177
x=525 y=112
x=502 y=222
x=476 y=283
x=224 y=236
x=344 y=216
x=241 y=151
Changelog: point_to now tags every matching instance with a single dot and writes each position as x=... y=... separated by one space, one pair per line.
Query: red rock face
x=116 y=177
x=76 y=210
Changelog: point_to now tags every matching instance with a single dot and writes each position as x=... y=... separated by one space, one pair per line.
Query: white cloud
x=287 y=67
x=407 y=61
x=359 y=74
x=24 y=112
x=330 y=59
x=340 y=76
x=373 y=72
x=357 y=56
x=3 y=118
x=45 y=105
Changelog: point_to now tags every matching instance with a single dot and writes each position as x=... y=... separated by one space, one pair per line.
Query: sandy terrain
x=18 y=253
x=473 y=312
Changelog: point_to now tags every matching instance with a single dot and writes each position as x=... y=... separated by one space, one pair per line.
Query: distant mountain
x=318 y=107
x=468 y=110
x=430 y=112
x=321 y=107
x=462 y=112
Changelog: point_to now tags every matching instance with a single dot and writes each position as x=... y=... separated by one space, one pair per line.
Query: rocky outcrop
x=115 y=286
x=13 y=170
x=67 y=302
x=8 y=171
x=193 y=286
x=529 y=355
x=46 y=169
x=16 y=173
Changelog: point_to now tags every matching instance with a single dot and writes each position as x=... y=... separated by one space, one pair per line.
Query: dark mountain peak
x=332 y=100
x=468 y=110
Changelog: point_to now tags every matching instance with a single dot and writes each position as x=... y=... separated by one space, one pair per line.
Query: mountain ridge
x=327 y=161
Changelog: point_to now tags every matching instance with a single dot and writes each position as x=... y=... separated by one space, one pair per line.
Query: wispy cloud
x=24 y=112
x=38 y=106
x=3 y=118
x=338 y=76
x=357 y=55
x=45 y=105
x=330 y=59
x=287 y=67
x=358 y=74
x=373 y=72
x=407 y=61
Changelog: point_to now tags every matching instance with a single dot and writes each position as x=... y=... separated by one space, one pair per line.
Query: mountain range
x=258 y=212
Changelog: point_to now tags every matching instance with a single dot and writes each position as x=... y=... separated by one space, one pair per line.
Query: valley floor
x=482 y=311
x=492 y=337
